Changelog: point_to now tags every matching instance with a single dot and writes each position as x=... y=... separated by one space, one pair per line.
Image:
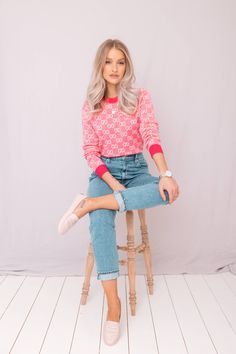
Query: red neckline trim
x=111 y=99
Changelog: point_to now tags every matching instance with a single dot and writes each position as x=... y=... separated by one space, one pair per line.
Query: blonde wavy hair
x=127 y=95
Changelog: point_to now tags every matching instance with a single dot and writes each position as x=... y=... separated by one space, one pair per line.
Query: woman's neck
x=110 y=94
x=110 y=91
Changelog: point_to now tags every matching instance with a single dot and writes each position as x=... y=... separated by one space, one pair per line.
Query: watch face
x=168 y=173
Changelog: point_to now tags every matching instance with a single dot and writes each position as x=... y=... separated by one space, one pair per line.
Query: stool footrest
x=140 y=248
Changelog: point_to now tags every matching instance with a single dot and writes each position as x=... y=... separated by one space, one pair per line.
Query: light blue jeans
x=142 y=191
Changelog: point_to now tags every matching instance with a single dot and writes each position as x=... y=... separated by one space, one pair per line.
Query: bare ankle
x=90 y=203
x=83 y=207
x=114 y=310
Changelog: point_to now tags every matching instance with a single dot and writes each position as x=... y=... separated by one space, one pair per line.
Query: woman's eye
x=107 y=62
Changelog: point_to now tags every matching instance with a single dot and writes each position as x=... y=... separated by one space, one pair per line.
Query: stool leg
x=146 y=251
x=131 y=260
x=88 y=271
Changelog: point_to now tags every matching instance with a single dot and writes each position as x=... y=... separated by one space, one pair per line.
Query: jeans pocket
x=92 y=176
x=105 y=160
x=141 y=162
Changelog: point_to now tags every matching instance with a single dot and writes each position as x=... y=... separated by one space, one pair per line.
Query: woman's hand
x=170 y=185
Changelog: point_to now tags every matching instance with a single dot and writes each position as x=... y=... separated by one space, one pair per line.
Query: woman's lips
x=114 y=75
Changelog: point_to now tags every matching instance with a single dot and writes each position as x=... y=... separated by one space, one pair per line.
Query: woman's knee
x=102 y=216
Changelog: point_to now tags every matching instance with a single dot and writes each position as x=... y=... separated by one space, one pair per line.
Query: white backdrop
x=184 y=54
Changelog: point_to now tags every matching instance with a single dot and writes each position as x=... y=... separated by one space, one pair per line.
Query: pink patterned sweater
x=112 y=132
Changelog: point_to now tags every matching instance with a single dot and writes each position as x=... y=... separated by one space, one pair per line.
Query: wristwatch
x=166 y=174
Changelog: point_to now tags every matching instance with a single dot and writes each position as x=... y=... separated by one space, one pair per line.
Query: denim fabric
x=142 y=191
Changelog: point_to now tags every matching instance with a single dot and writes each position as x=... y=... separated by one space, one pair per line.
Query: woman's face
x=114 y=65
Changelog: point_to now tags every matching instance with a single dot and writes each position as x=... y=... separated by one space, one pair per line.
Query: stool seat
x=131 y=250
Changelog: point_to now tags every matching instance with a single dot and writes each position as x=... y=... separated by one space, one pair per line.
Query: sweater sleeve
x=91 y=144
x=149 y=127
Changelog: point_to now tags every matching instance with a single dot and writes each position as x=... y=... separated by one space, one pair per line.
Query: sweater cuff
x=154 y=148
x=101 y=169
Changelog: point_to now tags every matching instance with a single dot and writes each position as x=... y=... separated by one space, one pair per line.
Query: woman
x=117 y=120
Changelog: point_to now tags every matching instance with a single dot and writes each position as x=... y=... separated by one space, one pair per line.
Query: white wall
x=184 y=53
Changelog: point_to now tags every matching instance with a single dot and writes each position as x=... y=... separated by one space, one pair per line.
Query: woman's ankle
x=114 y=311
x=84 y=207
x=91 y=204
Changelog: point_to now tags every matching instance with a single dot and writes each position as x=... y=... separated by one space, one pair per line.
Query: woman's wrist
x=160 y=162
x=116 y=186
x=112 y=182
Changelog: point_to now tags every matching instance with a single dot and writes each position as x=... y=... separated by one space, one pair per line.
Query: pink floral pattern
x=115 y=133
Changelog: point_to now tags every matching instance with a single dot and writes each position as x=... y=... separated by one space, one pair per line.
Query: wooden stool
x=131 y=254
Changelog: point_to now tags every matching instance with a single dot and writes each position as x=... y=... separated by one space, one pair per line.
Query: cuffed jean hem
x=120 y=201
x=107 y=276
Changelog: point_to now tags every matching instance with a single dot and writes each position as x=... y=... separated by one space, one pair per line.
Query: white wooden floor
x=186 y=314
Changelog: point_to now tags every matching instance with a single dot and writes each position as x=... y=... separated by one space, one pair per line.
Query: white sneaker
x=69 y=218
x=111 y=331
